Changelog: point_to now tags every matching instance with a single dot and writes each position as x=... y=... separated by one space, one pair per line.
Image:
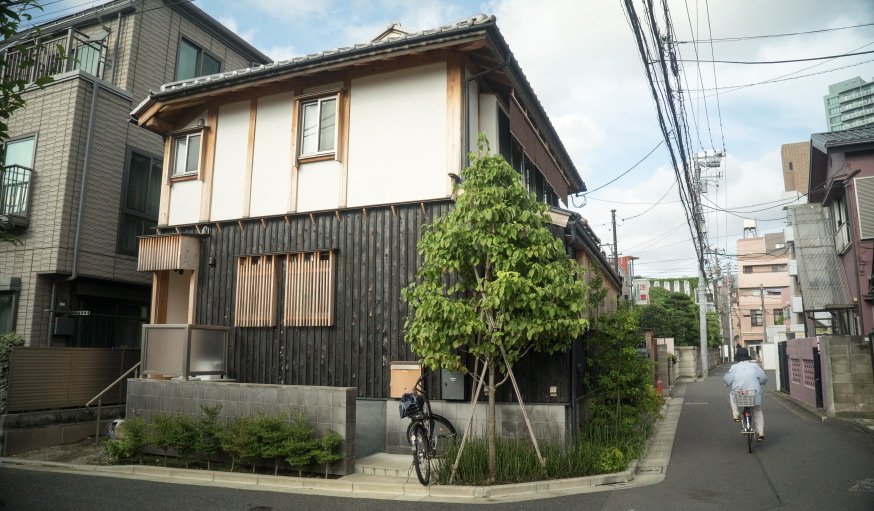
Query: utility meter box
x=452 y=385
x=404 y=376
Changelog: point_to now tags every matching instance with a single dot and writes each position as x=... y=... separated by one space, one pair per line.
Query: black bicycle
x=746 y=400
x=429 y=434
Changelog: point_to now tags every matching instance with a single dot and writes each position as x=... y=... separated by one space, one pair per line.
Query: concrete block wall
x=548 y=420
x=689 y=363
x=22 y=432
x=326 y=407
x=848 y=376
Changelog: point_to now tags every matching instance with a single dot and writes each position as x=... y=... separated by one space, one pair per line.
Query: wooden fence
x=52 y=378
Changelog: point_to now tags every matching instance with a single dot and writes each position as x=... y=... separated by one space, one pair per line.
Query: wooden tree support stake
x=522 y=405
x=469 y=427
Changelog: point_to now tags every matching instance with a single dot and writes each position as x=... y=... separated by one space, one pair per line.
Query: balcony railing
x=73 y=50
x=15 y=194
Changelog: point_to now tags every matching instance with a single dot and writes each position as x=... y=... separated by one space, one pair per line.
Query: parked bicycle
x=746 y=400
x=429 y=434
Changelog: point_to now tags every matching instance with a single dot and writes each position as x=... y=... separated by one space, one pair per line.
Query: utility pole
x=704 y=161
x=764 y=323
x=615 y=248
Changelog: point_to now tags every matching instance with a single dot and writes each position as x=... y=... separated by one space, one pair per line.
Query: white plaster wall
x=488 y=122
x=473 y=106
x=185 y=202
x=231 y=152
x=397 y=136
x=178 y=288
x=271 y=166
x=318 y=186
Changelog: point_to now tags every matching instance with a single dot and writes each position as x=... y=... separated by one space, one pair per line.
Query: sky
x=581 y=59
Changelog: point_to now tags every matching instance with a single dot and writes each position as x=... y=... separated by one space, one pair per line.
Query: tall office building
x=849 y=104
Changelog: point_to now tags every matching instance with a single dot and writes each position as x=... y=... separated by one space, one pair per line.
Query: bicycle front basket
x=745 y=397
x=411 y=405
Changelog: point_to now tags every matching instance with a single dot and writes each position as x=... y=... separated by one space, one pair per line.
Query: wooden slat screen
x=168 y=253
x=256 y=291
x=309 y=289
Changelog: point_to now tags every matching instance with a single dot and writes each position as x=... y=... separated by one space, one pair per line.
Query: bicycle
x=745 y=401
x=429 y=434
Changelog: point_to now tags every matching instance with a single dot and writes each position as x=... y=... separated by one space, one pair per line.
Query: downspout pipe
x=465 y=130
x=81 y=213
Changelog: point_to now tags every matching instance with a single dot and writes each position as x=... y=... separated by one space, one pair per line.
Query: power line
x=788 y=61
x=629 y=170
x=747 y=38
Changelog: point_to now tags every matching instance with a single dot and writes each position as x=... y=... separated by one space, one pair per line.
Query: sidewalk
x=387 y=476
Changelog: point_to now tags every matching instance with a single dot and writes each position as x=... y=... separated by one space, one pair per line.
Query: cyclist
x=747 y=375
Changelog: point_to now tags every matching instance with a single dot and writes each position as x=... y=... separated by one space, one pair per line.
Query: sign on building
x=641 y=291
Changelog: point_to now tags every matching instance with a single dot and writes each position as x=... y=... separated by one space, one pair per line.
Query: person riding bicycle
x=747 y=375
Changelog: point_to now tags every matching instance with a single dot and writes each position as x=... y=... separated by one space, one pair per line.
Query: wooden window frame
x=256 y=291
x=187 y=134
x=319 y=155
x=309 y=288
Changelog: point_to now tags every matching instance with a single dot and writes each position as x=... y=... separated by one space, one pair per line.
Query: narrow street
x=804 y=464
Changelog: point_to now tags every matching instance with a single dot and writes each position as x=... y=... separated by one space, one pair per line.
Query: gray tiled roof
x=230 y=76
x=838 y=138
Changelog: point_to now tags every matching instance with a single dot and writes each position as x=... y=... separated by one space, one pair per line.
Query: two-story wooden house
x=294 y=194
x=79 y=183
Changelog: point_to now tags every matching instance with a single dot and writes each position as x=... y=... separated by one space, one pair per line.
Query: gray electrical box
x=452 y=385
x=65 y=326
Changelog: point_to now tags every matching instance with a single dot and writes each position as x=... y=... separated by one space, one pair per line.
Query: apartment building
x=79 y=182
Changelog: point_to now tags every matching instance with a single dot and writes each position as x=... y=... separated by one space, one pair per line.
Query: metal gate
x=783 y=361
x=817 y=377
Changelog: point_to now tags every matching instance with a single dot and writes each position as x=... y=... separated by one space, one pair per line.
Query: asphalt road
x=804 y=464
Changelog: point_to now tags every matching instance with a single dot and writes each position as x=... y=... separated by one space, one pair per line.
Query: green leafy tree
x=184 y=436
x=162 y=433
x=208 y=427
x=300 y=447
x=271 y=434
x=494 y=282
x=327 y=450
x=714 y=331
x=7 y=341
x=235 y=438
x=133 y=442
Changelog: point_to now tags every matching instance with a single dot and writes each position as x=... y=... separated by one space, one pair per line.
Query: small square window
x=319 y=127
x=186 y=154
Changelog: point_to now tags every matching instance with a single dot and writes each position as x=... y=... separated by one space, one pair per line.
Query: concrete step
x=398 y=466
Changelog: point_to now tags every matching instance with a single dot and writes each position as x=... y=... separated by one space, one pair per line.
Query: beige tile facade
x=796 y=166
x=58 y=116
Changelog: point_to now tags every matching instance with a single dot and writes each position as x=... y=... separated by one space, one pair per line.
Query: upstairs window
x=319 y=127
x=139 y=203
x=186 y=154
x=192 y=62
x=756 y=317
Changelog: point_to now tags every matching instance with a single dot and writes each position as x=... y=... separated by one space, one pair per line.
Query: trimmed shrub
x=7 y=341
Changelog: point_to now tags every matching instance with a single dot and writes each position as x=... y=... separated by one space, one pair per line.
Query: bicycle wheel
x=442 y=436
x=749 y=427
x=420 y=454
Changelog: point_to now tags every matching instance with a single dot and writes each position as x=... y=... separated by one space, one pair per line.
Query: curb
x=340 y=486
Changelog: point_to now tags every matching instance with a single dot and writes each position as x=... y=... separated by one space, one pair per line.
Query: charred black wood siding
x=376 y=257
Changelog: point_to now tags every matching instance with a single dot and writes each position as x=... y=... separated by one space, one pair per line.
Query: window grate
x=309 y=289
x=256 y=291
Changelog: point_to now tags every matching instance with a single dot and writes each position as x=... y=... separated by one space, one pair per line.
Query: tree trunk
x=491 y=426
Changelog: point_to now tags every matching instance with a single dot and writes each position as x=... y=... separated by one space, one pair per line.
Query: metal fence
x=53 y=378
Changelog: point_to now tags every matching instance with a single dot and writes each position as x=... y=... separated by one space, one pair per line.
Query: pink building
x=763 y=275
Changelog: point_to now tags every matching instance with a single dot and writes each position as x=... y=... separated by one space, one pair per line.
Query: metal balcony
x=29 y=60
x=15 y=195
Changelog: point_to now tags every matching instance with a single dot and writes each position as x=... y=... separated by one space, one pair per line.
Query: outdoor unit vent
x=865 y=206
